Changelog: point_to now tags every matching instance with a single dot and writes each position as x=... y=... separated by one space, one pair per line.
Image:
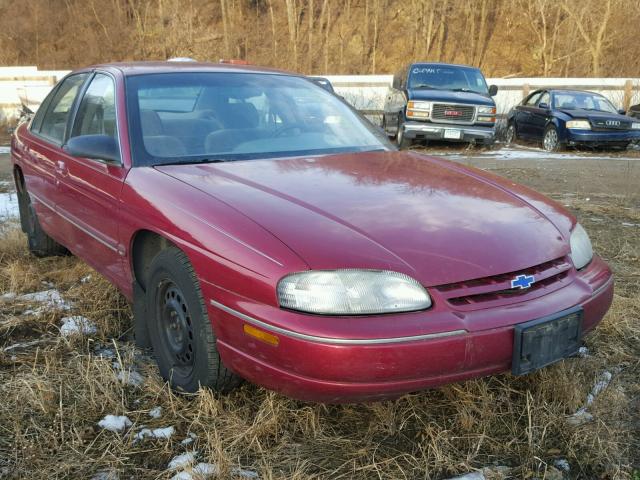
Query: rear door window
x=54 y=122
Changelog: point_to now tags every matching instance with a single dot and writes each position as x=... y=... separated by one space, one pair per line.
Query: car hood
x=595 y=116
x=435 y=220
x=447 y=96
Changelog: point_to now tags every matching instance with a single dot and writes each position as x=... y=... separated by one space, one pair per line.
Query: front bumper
x=312 y=365
x=434 y=131
x=589 y=137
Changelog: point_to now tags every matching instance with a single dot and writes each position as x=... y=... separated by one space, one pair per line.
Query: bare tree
x=592 y=21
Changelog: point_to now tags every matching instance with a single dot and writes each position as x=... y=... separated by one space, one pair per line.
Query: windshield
x=583 y=101
x=192 y=117
x=441 y=77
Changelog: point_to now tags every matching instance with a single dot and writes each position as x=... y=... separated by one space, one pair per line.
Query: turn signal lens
x=261 y=335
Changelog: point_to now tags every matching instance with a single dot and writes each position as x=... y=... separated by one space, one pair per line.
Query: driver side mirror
x=622 y=111
x=97 y=147
x=493 y=90
x=543 y=106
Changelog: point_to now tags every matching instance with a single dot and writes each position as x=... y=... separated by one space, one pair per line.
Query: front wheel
x=550 y=141
x=180 y=331
x=510 y=135
x=401 y=141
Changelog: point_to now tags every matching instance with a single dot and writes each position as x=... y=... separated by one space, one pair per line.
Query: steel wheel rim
x=511 y=133
x=176 y=326
x=550 y=140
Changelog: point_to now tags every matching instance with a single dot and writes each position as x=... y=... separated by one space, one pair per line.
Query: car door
x=44 y=150
x=523 y=117
x=91 y=187
x=539 y=114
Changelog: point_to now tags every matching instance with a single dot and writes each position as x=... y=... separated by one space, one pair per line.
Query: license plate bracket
x=452 y=133
x=544 y=341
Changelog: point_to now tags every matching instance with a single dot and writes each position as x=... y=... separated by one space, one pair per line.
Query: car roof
x=567 y=90
x=142 y=68
x=445 y=64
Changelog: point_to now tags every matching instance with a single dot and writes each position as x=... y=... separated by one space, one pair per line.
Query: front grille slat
x=453 y=113
x=487 y=289
x=602 y=126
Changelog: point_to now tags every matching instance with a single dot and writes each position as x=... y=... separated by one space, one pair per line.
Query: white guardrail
x=29 y=86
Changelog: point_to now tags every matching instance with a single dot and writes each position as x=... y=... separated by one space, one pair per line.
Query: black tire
x=401 y=141
x=181 y=335
x=39 y=243
x=510 y=134
x=550 y=140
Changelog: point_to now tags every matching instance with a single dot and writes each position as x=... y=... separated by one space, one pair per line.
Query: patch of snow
x=4 y=149
x=206 y=469
x=50 y=299
x=115 y=423
x=580 y=417
x=201 y=470
x=583 y=352
x=627 y=224
x=470 y=476
x=85 y=279
x=164 y=433
x=130 y=377
x=155 y=412
x=562 y=464
x=105 y=353
x=599 y=386
x=77 y=325
x=9 y=206
x=8 y=296
x=189 y=440
x=183 y=460
x=518 y=152
x=240 y=472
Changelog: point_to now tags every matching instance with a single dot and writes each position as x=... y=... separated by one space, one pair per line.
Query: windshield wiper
x=191 y=161
x=462 y=90
x=424 y=85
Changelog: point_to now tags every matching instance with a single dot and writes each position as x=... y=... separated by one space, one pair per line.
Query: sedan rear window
x=192 y=117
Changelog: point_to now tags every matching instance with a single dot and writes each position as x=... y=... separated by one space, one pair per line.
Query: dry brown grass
x=52 y=394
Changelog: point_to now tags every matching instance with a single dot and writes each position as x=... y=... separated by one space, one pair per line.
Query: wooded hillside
x=504 y=37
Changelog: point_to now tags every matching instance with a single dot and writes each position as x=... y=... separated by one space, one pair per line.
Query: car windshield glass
x=582 y=101
x=441 y=77
x=196 y=117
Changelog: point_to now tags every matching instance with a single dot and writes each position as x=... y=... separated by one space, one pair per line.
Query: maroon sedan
x=263 y=230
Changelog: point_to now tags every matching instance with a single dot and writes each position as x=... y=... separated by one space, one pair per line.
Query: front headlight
x=490 y=110
x=581 y=250
x=351 y=292
x=418 y=109
x=579 y=125
x=635 y=125
x=423 y=106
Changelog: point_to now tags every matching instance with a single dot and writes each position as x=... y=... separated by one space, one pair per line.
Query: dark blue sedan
x=561 y=118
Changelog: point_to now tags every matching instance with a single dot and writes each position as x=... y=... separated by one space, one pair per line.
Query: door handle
x=61 y=167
